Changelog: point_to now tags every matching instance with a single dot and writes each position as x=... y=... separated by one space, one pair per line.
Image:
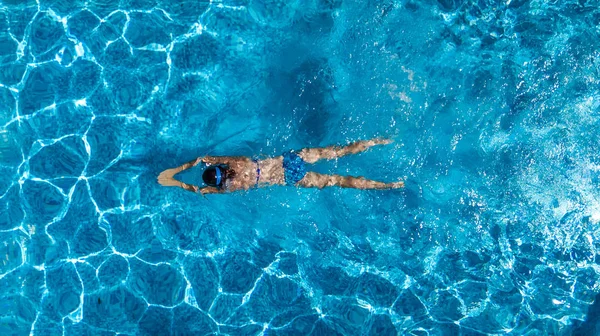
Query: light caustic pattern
x=495 y=115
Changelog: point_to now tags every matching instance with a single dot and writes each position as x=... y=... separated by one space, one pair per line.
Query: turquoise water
x=493 y=107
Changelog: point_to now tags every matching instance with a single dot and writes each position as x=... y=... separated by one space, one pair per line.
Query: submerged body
x=242 y=173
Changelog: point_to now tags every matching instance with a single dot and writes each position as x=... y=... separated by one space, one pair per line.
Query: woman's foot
x=381 y=141
x=396 y=185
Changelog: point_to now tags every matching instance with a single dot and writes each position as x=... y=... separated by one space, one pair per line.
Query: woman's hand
x=168 y=173
x=168 y=182
x=189 y=187
x=382 y=141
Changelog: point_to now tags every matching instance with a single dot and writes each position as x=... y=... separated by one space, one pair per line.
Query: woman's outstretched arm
x=169 y=173
x=203 y=190
x=223 y=159
x=206 y=159
x=171 y=182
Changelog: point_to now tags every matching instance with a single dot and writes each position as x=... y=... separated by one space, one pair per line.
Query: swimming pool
x=493 y=108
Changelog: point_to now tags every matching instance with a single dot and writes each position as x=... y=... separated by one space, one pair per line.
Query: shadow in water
x=591 y=325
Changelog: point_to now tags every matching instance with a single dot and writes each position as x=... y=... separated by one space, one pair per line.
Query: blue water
x=493 y=107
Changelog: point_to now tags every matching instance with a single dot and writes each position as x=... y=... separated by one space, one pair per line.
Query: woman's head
x=216 y=175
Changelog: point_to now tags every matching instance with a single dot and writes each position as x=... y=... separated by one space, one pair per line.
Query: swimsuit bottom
x=294 y=168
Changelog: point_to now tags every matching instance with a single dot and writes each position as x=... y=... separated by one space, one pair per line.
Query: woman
x=231 y=173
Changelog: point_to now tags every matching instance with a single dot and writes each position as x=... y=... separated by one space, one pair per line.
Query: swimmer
x=231 y=173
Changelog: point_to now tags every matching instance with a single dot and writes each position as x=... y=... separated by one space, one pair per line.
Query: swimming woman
x=231 y=173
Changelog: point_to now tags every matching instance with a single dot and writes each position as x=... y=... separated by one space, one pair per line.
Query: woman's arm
x=211 y=190
x=169 y=173
x=223 y=159
x=171 y=182
x=189 y=187
x=203 y=190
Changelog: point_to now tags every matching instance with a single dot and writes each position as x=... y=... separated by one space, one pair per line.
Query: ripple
x=302 y=325
x=42 y=201
x=172 y=78
x=63 y=7
x=188 y=232
x=85 y=78
x=81 y=215
x=447 y=307
x=273 y=13
x=87 y=274
x=156 y=321
x=82 y=23
x=381 y=325
x=131 y=232
x=89 y=239
x=47 y=325
x=66 y=119
x=44 y=85
x=321 y=328
x=63 y=159
x=474 y=295
x=224 y=305
x=8 y=48
x=102 y=102
x=288 y=264
x=20 y=323
x=12 y=256
x=161 y=284
x=203 y=275
x=375 y=290
x=586 y=279
x=188 y=320
x=84 y=329
x=12 y=74
x=237 y=274
x=104 y=138
x=64 y=289
x=116 y=309
x=345 y=314
x=128 y=91
x=492 y=320
x=12 y=210
x=408 y=304
x=102 y=8
x=37 y=248
x=156 y=253
x=185 y=12
x=148 y=28
x=196 y=53
x=112 y=27
x=21 y=16
x=139 y=4
x=45 y=33
x=273 y=296
x=104 y=191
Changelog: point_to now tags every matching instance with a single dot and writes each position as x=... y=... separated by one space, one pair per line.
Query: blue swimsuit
x=255 y=160
x=294 y=168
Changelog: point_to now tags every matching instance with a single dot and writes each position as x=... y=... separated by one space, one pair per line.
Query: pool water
x=493 y=107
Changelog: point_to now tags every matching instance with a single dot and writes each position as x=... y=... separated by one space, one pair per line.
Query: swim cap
x=213 y=176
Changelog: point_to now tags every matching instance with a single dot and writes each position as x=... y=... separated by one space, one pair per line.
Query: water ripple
x=492 y=106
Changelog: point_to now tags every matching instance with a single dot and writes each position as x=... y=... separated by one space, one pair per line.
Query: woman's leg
x=316 y=180
x=312 y=155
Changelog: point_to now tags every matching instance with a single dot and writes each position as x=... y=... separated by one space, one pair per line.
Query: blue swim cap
x=218 y=175
x=213 y=176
